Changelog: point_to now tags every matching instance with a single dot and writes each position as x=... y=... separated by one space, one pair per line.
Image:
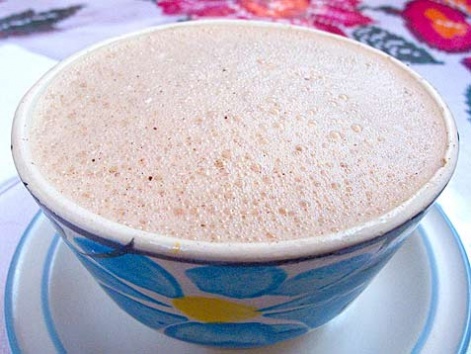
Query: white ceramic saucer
x=419 y=303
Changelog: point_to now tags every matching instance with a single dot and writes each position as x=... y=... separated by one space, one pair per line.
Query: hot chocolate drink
x=237 y=133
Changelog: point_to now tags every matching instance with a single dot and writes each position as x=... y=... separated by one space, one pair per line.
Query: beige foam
x=237 y=134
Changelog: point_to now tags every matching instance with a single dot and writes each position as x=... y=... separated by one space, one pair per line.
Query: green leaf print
x=393 y=45
x=30 y=21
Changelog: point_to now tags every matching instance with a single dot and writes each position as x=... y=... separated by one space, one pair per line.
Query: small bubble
x=262 y=139
x=226 y=154
x=334 y=134
x=333 y=103
x=215 y=238
x=202 y=171
x=304 y=204
x=278 y=125
x=255 y=167
x=357 y=128
x=270 y=236
x=263 y=126
x=219 y=164
x=178 y=211
x=261 y=61
x=275 y=111
x=267 y=180
x=211 y=114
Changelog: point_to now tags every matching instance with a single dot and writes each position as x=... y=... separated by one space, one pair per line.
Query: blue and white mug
x=221 y=294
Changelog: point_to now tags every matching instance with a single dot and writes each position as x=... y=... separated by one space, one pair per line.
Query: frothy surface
x=242 y=134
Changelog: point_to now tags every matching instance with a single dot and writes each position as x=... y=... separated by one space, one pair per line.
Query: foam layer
x=240 y=134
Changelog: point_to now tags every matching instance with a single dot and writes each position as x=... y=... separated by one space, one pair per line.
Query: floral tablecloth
x=432 y=36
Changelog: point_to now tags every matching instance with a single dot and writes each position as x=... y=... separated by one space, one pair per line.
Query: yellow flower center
x=444 y=26
x=276 y=8
x=461 y=5
x=206 y=309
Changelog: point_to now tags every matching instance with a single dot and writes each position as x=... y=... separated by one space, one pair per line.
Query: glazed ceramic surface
x=234 y=305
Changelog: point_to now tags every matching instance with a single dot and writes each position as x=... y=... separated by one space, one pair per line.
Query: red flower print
x=329 y=15
x=439 y=25
x=462 y=5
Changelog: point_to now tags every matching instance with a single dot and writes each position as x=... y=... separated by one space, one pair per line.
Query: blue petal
x=237 y=282
x=353 y=282
x=108 y=279
x=302 y=301
x=319 y=313
x=149 y=316
x=360 y=278
x=319 y=307
x=234 y=335
x=136 y=269
x=319 y=278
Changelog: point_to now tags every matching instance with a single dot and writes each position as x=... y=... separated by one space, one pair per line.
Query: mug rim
x=179 y=248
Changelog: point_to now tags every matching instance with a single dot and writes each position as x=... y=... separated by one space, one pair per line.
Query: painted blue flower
x=150 y=293
x=237 y=282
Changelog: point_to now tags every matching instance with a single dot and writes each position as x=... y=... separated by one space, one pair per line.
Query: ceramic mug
x=228 y=295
